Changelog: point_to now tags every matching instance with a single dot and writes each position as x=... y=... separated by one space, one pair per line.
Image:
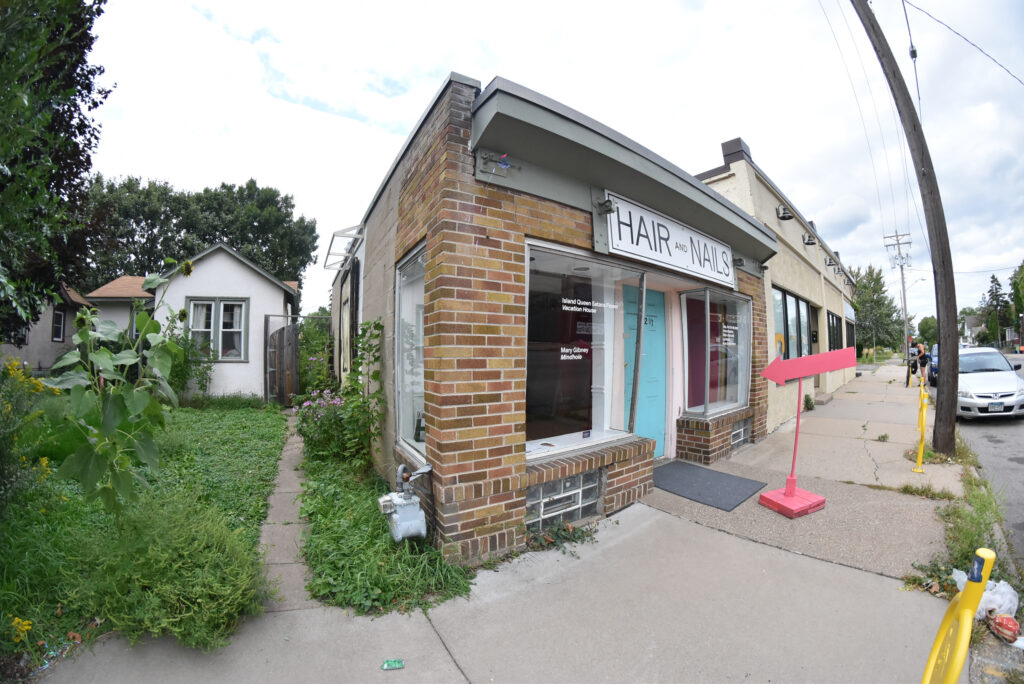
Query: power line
x=986 y=270
x=860 y=113
x=913 y=58
x=965 y=38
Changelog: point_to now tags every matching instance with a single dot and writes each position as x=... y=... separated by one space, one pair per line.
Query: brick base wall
x=706 y=440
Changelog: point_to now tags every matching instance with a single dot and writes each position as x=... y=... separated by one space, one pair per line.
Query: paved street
x=998 y=445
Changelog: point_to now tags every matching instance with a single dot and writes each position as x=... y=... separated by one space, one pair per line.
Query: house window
x=717 y=339
x=575 y=368
x=409 y=343
x=792 y=325
x=851 y=338
x=835 y=332
x=19 y=337
x=57 y=328
x=219 y=328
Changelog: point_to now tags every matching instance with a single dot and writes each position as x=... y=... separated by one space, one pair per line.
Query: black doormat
x=704 y=485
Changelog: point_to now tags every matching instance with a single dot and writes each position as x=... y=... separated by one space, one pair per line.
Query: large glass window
x=717 y=334
x=409 y=365
x=792 y=325
x=575 y=366
x=57 y=328
x=201 y=325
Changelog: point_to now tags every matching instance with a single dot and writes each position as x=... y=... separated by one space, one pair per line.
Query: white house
x=228 y=300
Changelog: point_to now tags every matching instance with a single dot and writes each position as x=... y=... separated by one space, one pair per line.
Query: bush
x=315 y=353
x=175 y=568
x=321 y=422
x=20 y=396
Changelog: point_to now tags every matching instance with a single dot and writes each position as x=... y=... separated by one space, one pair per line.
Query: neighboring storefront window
x=574 y=360
x=835 y=332
x=409 y=341
x=717 y=334
x=792 y=325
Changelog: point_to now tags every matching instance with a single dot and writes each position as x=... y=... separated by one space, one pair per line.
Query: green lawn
x=70 y=569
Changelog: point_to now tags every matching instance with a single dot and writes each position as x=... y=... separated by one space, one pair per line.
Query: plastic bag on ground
x=999 y=597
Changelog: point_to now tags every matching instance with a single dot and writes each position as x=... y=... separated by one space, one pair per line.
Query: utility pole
x=898 y=240
x=943 y=437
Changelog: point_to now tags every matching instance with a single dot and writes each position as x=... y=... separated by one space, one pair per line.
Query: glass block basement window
x=741 y=432
x=567 y=500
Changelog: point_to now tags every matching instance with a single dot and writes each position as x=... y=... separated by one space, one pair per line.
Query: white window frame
x=540 y=449
x=215 y=331
x=410 y=447
x=745 y=362
x=53 y=325
x=241 y=330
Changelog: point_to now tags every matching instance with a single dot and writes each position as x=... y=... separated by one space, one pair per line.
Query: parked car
x=933 y=366
x=988 y=385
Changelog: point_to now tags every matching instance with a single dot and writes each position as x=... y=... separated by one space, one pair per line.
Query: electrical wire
x=860 y=113
x=913 y=58
x=966 y=39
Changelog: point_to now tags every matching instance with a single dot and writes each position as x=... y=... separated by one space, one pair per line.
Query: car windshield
x=935 y=351
x=986 y=362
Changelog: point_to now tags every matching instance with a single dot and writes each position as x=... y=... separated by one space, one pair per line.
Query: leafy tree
x=147 y=222
x=878 y=317
x=47 y=89
x=928 y=330
x=997 y=302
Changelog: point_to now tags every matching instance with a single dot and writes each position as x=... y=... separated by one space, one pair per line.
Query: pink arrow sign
x=780 y=370
x=791 y=501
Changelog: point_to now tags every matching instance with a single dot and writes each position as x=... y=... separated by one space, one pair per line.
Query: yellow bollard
x=922 y=425
x=954 y=637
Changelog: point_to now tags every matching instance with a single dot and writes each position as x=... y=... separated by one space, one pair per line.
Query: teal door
x=650 y=405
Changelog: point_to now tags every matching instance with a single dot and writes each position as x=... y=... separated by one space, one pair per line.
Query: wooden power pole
x=943 y=438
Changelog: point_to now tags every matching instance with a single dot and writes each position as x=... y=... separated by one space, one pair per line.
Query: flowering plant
x=321 y=421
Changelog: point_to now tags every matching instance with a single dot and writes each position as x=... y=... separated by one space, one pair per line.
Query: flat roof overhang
x=509 y=118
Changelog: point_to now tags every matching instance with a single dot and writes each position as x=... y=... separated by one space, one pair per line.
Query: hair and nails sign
x=641 y=233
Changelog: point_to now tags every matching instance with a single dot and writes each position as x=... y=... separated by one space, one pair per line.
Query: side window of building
x=409 y=340
x=57 y=328
x=792 y=324
x=851 y=339
x=835 y=332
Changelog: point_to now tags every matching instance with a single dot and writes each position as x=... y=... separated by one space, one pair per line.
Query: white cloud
x=316 y=99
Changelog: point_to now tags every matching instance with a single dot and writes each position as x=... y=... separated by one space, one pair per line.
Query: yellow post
x=951 y=643
x=922 y=425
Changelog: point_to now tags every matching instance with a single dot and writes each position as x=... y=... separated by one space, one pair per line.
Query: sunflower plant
x=116 y=385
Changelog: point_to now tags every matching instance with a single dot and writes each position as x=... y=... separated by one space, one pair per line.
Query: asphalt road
x=999 y=444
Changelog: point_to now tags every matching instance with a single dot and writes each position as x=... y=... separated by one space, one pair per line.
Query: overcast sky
x=316 y=99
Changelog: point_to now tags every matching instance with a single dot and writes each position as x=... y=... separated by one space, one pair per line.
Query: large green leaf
x=69 y=359
x=125 y=357
x=122 y=482
x=74 y=465
x=153 y=281
x=168 y=393
x=145 y=325
x=93 y=468
x=161 y=360
x=114 y=412
x=82 y=401
x=102 y=359
x=146 y=450
x=73 y=378
x=109 y=331
x=135 y=400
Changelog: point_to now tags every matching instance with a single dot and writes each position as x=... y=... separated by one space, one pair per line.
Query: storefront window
x=574 y=360
x=717 y=334
x=792 y=325
x=409 y=364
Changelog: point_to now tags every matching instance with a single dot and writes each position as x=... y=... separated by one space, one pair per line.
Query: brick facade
x=474 y=338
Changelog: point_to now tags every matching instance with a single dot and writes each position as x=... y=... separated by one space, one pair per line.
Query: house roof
x=70 y=296
x=288 y=289
x=125 y=287
x=294 y=284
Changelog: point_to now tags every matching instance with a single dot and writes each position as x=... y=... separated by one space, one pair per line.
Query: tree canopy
x=47 y=89
x=928 y=330
x=142 y=224
x=878 y=317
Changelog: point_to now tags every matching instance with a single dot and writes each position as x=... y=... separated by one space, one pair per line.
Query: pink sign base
x=794 y=503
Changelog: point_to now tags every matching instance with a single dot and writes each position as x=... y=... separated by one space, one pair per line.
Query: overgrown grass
x=962 y=454
x=226 y=458
x=350 y=552
x=228 y=402
x=927 y=492
x=65 y=566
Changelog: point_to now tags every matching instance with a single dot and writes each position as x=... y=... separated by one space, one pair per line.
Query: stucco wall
x=220 y=275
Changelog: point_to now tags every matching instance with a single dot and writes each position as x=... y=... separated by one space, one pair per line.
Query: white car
x=988 y=385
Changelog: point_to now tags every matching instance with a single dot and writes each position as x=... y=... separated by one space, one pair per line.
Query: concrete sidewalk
x=672 y=591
